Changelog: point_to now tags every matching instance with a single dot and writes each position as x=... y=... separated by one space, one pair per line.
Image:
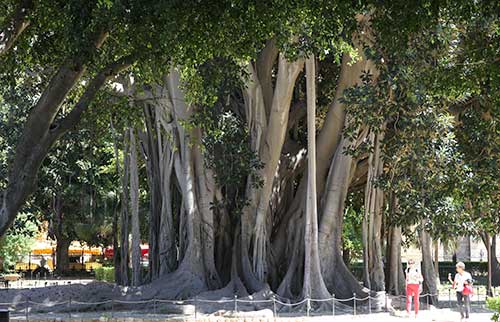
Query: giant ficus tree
x=212 y=101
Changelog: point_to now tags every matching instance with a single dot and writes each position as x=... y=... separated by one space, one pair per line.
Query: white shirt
x=460 y=280
x=413 y=276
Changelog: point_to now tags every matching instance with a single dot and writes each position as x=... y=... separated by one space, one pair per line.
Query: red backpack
x=468 y=290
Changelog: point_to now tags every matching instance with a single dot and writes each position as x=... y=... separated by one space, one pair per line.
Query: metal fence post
x=274 y=306
x=449 y=298
x=69 y=307
x=386 y=302
x=196 y=307
x=112 y=308
x=333 y=304
x=369 y=304
x=26 y=309
x=354 y=307
x=427 y=300
x=154 y=306
x=308 y=305
x=235 y=303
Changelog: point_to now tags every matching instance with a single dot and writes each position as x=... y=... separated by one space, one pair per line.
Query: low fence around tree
x=275 y=305
x=478 y=269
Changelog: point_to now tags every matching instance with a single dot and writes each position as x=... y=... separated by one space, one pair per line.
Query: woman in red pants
x=413 y=280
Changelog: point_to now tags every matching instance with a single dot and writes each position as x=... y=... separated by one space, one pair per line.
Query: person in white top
x=462 y=283
x=413 y=280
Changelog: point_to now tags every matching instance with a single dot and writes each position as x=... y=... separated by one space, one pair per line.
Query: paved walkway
x=438 y=315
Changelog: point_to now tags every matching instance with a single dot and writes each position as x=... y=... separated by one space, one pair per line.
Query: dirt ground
x=442 y=315
x=61 y=302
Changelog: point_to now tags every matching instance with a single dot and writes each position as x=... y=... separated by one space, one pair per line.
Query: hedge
x=106 y=274
x=479 y=270
x=493 y=303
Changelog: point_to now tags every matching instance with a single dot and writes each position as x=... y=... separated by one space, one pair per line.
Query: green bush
x=106 y=274
x=493 y=303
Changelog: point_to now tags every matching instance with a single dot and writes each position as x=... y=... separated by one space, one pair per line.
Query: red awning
x=109 y=252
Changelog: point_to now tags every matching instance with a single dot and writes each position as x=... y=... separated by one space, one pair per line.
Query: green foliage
x=351 y=230
x=80 y=173
x=225 y=138
x=440 y=120
x=18 y=240
x=493 y=303
x=106 y=274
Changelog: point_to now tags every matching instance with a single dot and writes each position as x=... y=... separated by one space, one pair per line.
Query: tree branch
x=264 y=66
x=70 y=120
x=18 y=23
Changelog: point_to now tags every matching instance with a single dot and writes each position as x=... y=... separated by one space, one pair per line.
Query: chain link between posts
x=29 y=305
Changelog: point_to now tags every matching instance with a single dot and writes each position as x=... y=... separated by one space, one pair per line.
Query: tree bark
x=134 y=209
x=15 y=26
x=125 y=218
x=62 y=241
x=267 y=138
x=428 y=270
x=154 y=168
x=116 y=238
x=40 y=131
x=314 y=285
x=196 y=271
x=436 y=261
x=337 y=276
x=372 y=222
x=62 y=254
x=328 y=147
x=167 y=251
x=269 y=153
x=493 y=264
x=395 y=275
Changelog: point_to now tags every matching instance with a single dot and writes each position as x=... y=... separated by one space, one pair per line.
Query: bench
x=9 y=278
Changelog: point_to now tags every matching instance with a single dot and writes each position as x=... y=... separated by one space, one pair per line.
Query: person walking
x=414 y=279
x=462 y=283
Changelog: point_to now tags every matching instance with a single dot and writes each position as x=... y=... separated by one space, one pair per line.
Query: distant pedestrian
x=43 y=262
x=414 y=279
x=462 y=283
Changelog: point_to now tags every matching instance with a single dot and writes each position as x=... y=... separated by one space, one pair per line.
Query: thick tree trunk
x=337 y=276
x=267 y=138
x=493 y=264
x=313 y=285
x=394 y=272
x=428 y=270
x=41 y=131
x=269 y=153
x=167 y=249
x=206 y=198
x=152 y=154
x=196 y=271
x=134 y=209
x=62 y=241
x=372 y=222
x=62 y=254
x=436 y=260
x=328 y=146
